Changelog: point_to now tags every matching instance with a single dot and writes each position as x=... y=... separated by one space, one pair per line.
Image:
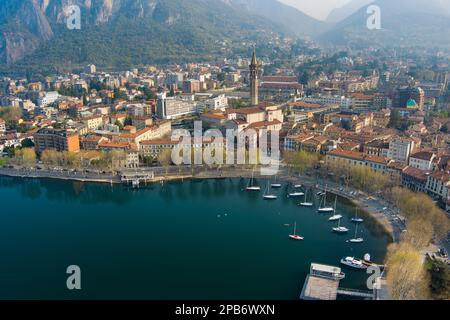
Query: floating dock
x=322 y=283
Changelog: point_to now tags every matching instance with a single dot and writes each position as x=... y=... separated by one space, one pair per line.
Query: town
x=383 y=119
x=373 y=120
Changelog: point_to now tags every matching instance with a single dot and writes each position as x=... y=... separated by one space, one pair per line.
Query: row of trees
x=301 y=161
x=361 y=177
x=407 y=276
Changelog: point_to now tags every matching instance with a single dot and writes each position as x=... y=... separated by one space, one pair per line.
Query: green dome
x=411 y=103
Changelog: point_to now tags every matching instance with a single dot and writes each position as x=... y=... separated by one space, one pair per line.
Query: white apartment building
x=437 y=185
x=174 y=107
x=343 y=102
x=400 y=149
x=48 y=98
x=422 y=160
x=220 y=102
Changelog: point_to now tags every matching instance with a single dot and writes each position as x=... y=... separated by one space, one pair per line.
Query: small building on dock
x=322 y=282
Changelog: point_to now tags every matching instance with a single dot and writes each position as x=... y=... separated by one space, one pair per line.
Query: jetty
x=322 y=283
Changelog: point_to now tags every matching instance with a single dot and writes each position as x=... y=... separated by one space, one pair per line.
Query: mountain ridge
x=404 y=23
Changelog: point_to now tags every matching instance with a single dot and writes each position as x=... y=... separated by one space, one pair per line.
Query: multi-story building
x=349 y=159
x=405 y=94
x=422 y=160
x=415 y=179
x=279 y=88
x=152 y=148
x=2 y=126
x=191 y=86
x=174 y=107
x=94 y=122
x=400 y=149
x=131 y=158
x=377 y=148
x=57 y=139
x=438 y=184
x=47 y=98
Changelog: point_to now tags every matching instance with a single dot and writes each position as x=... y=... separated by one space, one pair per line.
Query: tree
x=419 y=233
x=25 y=157
x=395 y=120
x=50 y=157
x=406 y=276
x=128 y=121
x=301 y=161
x=165 y=159
x=440 y=279
x=27 y=143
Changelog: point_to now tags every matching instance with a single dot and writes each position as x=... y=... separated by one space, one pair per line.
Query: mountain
x=339 y=14
x=406 y=23
x=289 y=17
x=119 y=33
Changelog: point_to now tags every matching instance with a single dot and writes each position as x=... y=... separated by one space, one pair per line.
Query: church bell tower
x=254 y=82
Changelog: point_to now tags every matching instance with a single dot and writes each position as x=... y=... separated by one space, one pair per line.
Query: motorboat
x=354 y=263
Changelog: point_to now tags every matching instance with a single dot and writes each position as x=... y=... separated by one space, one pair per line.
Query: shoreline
x=371 y=210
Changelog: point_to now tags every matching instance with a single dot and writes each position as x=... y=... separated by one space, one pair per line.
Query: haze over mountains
x=403 y=23
x=129 y=32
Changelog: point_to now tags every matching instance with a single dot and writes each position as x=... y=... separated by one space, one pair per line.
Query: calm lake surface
x=183 y=240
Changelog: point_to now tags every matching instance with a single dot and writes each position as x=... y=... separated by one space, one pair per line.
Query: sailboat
x=335 y=217
x=323 y=207
x=355 y=239
x=295 y=236
x=276 y=185
x=251 y=187
x=304 y=203
x=267 y=195
x=340 y=229
x=356 y=219
x=295 y=194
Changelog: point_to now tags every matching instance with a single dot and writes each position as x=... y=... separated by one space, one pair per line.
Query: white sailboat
x=275 y=185
x=340 y=229
x=295 y=236
x=323 y=206
x=251 y=187
x=296 y=194
x=267 y=195
x=335 y=216
x=357 y=219
x=305 y=203
x=355 y=239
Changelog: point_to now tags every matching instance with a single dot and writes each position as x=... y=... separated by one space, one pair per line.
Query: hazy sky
x=316 y=8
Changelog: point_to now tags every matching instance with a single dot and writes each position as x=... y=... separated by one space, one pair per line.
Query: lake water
x=183 y=240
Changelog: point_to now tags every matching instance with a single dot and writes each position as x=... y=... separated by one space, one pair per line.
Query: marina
x=144 y=235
